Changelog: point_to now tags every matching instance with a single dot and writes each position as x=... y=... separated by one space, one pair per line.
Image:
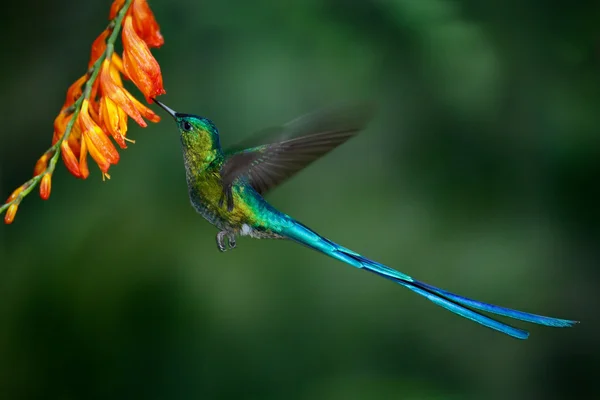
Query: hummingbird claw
x=232 y=243
x=224 y=246
x=221 y=241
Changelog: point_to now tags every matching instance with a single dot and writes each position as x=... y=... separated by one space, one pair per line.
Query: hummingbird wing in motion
x=296 y=145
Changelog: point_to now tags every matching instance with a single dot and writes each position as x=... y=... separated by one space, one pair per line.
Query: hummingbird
x=227 y=187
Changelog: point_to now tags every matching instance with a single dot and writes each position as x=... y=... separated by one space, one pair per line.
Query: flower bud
x=9 y=217
x=46 y=186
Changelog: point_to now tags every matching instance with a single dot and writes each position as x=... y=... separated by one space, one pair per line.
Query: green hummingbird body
x=227 y=189
x=247 y=218
x=204 y=160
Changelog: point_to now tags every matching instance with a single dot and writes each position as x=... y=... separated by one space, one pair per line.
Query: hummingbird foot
x=221 y=243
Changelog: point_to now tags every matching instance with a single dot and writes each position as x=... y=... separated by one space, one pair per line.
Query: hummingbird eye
x=186 y=126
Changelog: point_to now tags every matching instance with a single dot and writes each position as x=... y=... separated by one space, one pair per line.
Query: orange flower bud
x=141 y=67
x=15 y=193
x=70 y=160
x=145 y=24
x=42 y=164
x=46 y=186
x=9 y=217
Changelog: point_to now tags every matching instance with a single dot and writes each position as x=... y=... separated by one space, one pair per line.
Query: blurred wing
x=301 y=142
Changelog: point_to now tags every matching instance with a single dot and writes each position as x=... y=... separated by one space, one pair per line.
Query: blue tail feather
x=470 y=314
x=444 y=301
x=457 y=304
x=506 y=312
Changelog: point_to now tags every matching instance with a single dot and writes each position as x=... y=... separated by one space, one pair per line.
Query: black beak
x=167 y=109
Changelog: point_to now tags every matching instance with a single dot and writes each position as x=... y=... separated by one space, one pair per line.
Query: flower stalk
x=85 y=124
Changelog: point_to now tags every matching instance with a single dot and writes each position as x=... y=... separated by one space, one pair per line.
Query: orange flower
x=100 y=147
x=145 y=24
x=113 y=88
x=143 y=21
x=140 y=65
x=103 y=112
x=114 y=119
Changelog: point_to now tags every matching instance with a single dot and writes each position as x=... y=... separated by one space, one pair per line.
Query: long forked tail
x=460 y=305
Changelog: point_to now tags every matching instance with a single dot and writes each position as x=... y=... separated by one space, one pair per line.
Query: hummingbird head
x=199 y=136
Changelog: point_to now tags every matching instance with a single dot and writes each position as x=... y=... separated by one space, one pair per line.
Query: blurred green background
x=478 y=175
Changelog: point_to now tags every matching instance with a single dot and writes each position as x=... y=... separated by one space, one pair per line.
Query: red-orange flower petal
x=74 y=91
x=141 y=67
x=69 y=159
x=96 y=154
x=75 y=139
x=145 y=24
x=115 y=7
x=60 y=125
x=46 y=186
x=118 y=94
x=145 y=111
x=115 y=72
x=114 y=120
x=94 y=93
x=83 y=166
x=94 y=109
x=117 y=63
x=98 y=144
x=9 y=217
x=98 y=48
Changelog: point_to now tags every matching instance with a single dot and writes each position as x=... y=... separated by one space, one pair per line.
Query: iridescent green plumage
x=227 y=188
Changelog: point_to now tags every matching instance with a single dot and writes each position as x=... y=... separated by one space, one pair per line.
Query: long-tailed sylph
x=227 y=189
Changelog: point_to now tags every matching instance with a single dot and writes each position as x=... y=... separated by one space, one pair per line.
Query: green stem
x=93 y=72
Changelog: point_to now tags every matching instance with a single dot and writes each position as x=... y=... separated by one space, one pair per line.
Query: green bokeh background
x=478 y=175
